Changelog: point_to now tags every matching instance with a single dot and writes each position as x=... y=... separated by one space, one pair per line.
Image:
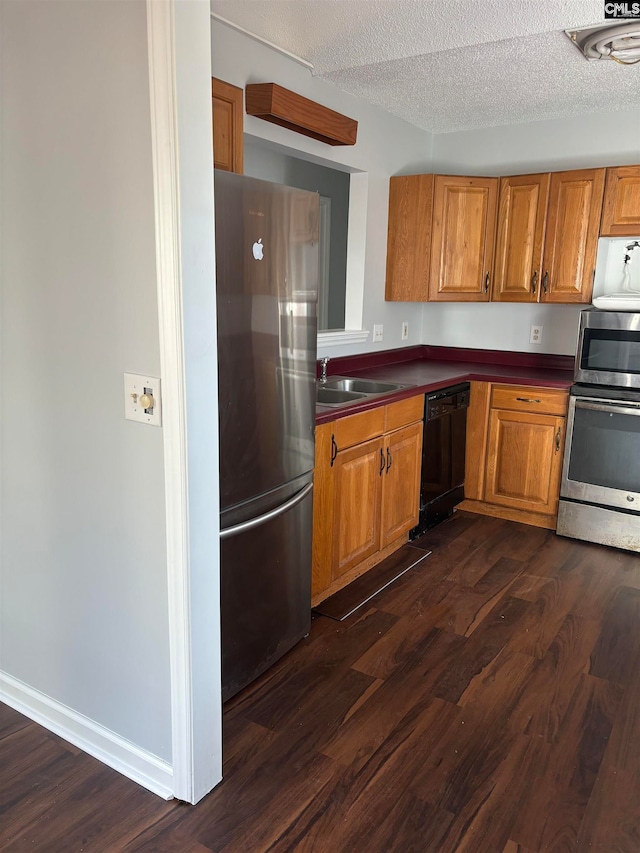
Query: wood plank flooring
x=486 y=702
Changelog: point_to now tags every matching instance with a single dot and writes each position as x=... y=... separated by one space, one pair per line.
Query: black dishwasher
x=443 y=455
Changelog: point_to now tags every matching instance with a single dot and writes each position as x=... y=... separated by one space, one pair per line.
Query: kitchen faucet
x=323 y=368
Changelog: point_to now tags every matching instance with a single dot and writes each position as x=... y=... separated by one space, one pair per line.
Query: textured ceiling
x=447 y=65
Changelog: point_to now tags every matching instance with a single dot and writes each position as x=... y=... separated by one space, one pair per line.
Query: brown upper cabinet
x=571 y=240
x=463 y=236
x=548 y=236
x=621 y=208
x=521 y=219
x=409 y=238
x=440 y=238
x=546 y=228
x=227 y=117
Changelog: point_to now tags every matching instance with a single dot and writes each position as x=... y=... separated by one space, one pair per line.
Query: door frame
x=179 y=43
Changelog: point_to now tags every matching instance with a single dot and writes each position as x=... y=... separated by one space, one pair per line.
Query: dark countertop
x=432 y=374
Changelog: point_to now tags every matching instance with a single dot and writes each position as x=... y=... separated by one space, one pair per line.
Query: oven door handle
x=612 y=408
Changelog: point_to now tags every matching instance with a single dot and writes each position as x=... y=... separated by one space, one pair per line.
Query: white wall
x=385 y=146
x=577 y=142
x=84 y=574
x=601 y=139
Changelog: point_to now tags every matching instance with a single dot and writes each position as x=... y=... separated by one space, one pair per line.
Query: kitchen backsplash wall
x=501 y=326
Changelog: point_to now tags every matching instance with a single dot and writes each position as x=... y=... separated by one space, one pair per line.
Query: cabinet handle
x=528 y=400
x=534 y=281
x=382 y=462
x=486 y=283
x=558 y=437
x=389 y=459
x=545 y=280
x=334 y=450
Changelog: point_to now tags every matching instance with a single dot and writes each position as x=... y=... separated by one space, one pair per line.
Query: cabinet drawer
x=404 y=412
x=549 y=401
x=355 y=429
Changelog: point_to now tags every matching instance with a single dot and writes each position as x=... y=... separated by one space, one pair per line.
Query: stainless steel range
x=600 y=487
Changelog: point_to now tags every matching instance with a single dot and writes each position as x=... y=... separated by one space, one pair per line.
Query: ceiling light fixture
x=620 y=42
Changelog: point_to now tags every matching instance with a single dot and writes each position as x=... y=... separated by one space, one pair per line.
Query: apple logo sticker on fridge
x=258 y=249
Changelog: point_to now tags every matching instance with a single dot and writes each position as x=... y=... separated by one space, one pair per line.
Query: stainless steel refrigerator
x=266 y=274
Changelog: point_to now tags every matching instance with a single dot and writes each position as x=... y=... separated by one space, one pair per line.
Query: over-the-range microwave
x=609 y=349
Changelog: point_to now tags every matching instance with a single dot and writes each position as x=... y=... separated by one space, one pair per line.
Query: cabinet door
x=571 y=241
x=621 y=209
x=227 y=113
x=409 y=238
x=358 y=475
x=524 y=460
x=521 y=219
x=401 y=483
x=464 y=222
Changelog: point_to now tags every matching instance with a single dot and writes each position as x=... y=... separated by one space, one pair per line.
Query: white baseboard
x=143 y=767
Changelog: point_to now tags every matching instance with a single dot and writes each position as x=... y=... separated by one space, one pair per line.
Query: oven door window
x=605 y=447
x=611 y=350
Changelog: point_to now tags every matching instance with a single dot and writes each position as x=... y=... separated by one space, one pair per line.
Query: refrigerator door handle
x=267 y=516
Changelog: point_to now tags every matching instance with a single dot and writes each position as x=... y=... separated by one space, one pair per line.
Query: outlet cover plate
x=377 y=333
x=535 y=337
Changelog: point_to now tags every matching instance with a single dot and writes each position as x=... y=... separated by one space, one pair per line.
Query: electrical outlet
x=536 y=335
x=377 y=333
x=405 y=331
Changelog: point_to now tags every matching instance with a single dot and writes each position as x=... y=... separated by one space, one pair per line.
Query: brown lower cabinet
x=367 y=491
x=515 y=439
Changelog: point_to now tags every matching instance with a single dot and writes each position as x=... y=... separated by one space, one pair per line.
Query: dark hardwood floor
x=486 y=702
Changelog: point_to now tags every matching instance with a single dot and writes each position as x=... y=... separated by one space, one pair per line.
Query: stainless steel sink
x=338 y=390
x=336 y=397
x=364 y=386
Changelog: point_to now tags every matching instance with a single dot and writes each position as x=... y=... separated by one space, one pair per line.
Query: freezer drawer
x=265 y=591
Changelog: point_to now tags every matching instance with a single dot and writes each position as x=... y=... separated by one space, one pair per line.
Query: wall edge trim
x=166 y=189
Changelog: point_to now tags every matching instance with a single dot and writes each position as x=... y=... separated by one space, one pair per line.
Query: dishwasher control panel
x=447 y=400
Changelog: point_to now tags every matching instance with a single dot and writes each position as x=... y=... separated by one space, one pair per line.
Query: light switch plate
x=135 y=385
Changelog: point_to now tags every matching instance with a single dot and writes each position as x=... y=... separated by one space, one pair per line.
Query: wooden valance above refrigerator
x=281 y=106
